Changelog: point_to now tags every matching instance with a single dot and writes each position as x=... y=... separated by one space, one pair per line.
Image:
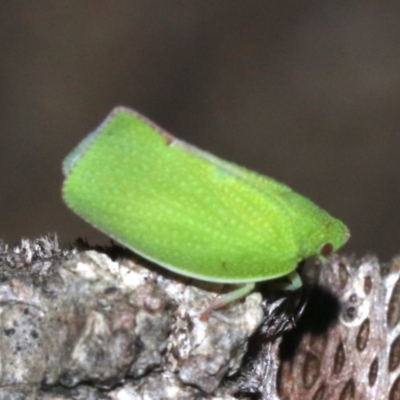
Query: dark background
x=306 y=92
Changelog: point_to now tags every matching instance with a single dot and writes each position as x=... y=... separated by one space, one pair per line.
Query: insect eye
x=326 y=249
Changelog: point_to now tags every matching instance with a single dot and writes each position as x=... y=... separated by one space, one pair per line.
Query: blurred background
x=305 y=92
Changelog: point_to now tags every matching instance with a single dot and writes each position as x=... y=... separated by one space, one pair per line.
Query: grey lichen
x=73 y=318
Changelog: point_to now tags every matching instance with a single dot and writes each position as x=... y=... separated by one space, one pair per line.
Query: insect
x=190 y=211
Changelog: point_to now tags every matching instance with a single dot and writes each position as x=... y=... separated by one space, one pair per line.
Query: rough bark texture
x=104 y=324
x=346 y=344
